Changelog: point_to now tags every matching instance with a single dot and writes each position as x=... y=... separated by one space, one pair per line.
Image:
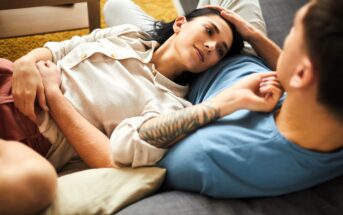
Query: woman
x=117 y=90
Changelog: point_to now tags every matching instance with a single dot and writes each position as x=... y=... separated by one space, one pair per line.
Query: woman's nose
x=210 y=45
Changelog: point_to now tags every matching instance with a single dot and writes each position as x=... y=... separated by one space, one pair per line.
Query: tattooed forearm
x=166 y=130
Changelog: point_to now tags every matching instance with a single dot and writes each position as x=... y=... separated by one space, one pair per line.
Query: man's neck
x=309 y=125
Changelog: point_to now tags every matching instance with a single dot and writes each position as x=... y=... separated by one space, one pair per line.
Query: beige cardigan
x=107 y=77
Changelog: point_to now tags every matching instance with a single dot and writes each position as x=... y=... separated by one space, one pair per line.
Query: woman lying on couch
x=142 y=88
x=118 y=104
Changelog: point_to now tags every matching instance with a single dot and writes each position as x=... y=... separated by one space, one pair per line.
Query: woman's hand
x=244 y=28
x=50 y=74
x=256 y=92
x=26 y=86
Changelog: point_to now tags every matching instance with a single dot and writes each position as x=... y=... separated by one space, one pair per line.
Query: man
x=28 y=182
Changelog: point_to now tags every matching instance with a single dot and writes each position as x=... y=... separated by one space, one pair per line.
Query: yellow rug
x=13 y=48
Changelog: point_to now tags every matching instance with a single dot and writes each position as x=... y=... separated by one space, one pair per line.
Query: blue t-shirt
x=243 y=154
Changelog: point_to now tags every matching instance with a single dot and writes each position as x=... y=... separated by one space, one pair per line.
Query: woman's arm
x=264 y=47
x=27 y=83
x=257 y=92
x=91 y=144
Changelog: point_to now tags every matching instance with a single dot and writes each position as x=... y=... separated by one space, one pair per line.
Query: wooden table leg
x=93 y=14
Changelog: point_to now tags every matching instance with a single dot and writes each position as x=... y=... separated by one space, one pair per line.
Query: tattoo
x=166 y=130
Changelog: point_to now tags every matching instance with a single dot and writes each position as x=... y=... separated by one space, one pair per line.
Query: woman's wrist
x=226 y=102
x=52 y=91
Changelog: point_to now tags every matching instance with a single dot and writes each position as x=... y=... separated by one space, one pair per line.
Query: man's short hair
x=323 y=27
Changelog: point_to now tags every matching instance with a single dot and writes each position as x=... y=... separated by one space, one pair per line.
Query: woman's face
x=201 y=42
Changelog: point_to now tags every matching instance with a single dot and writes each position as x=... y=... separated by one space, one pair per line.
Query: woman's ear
x=179 y=21
x=303 y=76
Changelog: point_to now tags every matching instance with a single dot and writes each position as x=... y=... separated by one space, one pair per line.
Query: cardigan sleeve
x=129 y=149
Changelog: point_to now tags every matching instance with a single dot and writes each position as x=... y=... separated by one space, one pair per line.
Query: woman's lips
x=199 y=53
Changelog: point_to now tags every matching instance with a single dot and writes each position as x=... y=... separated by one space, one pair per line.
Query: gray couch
x=324 y=199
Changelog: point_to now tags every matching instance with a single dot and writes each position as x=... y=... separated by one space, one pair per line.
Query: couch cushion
x=326 y=199
x=278 y=15
x=103 y=191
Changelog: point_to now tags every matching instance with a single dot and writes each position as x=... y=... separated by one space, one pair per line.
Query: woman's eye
x=221 y=52
x=208 y=30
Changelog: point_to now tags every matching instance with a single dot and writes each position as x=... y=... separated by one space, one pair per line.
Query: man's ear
x=303 y=75
x=179 y=21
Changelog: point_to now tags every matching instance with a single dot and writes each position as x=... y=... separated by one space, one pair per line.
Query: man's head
x=312 y=57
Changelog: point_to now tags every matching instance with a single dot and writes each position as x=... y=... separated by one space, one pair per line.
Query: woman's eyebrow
x=216 y=29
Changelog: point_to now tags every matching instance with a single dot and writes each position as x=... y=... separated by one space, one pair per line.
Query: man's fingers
x=232 y=16
x=229 y=17
x=217 y=7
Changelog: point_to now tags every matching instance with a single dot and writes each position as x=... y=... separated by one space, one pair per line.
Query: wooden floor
x=34 y=20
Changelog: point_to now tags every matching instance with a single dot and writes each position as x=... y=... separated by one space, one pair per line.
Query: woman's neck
x=166 y=61
x=309 y=125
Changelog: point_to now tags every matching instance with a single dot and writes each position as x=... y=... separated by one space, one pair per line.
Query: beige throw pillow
x=104 y=191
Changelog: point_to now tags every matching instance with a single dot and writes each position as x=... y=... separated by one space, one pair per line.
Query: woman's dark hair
x=163 y=30
x=323 y=36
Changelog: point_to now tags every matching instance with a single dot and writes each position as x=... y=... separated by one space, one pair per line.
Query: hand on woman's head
x=244 y=28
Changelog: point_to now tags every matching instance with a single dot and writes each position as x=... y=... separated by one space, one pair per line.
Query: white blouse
x=107 y=77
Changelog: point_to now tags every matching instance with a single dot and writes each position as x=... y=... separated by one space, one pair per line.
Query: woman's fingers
x=40 y=66
x=270 y=90
x=41 y=98
x=267 y=82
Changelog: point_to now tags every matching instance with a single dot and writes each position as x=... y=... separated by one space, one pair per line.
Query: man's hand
x=244 y=28
x=264 y=47
x=27 y=85
x=256 y=92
